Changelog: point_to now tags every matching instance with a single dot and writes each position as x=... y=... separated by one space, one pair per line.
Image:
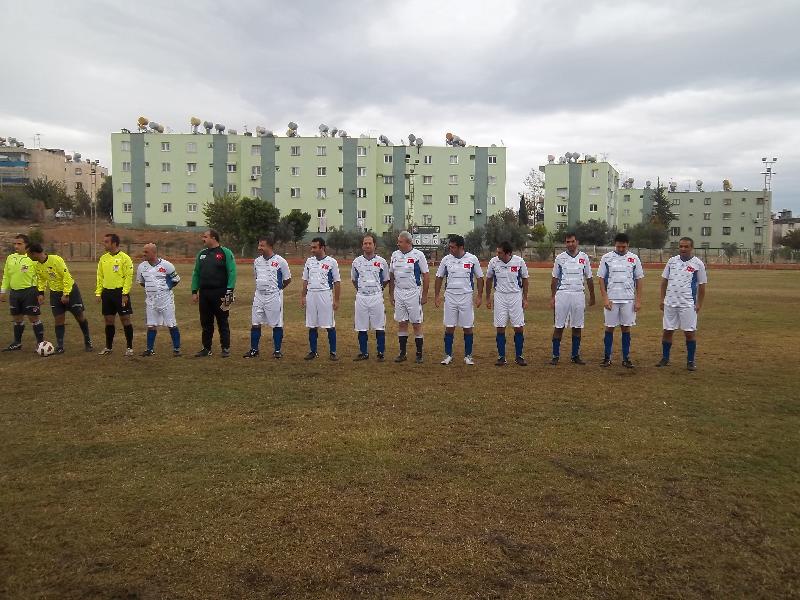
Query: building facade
x=783 y=224
x=352 y=183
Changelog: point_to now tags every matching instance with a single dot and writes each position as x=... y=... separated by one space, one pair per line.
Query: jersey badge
x=274 y=263
x=410 y=260
x=377 y=263
x=325 y=267
x=691 y=269
x=467 y=265
x=581 y=261
x=631 y=260
x=514 y=269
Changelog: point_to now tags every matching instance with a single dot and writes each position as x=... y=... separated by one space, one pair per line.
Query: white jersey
x=572 y=271
x=321 y=273
x=620 y=273
x=369 y=274
x=271 y=273
x=460 y=273
x=507 y=276
x=683 y=277
x=407 y=269
x=157 y=279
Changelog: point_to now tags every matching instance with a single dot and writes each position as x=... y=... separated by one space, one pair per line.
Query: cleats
x=468 y=360
x=578 y=360
x=447 y=360
x=251 y=354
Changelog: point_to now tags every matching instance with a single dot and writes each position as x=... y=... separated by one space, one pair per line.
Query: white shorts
x=268 y=309
x=570 y=309
x=458 y=310
x=680 y=317
x=160 y=310
x=621 y=313
x=508 y=307
x=319 y=309
x=408 y=305
x=370 y=312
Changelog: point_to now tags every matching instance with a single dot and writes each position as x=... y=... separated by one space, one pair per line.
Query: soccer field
x=171 y=477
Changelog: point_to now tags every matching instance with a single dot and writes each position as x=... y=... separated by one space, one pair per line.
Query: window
x=191 y=188
x=361 y=192
x=191 y=207
x=361 y=171
x=562 y=209
x=387 y=219
x=294 y=192
x=387 y=199
x=428 y=159
x=758 y=230
x=294 y=151
x=126 y=167
x=561 y=192
x=166 y=188
x=675 y=231
x=166 y=167
x=492 y=159
x=255 y=170
x=593 y=208
x=492 y=200
x=294 y=171
x=78 y=171
x=453 y=160
x=361 y=214
x=127 y=207
x=706 y=216
x=452 y=199
x=626 y=212
x=492 y=180
x=759 y=215
x=726 y=216
x=322 y=171
x=255 y=192
x=388 y=179
x=726 y=201
x=594 y=173
x=321 y=212
x=191 y=167
x=361 y=151
x=125 y=146
x=232 y=188
x=322 y=151
x=126 y=187
x=594 y=191
x=726 y=231
x=427 y=179
x=165 y=146
x=427 y=219
x=78 y=185
x=387 y=158
x=675 y=202
x=255 y=150
x=231 y=147
x=322 y=193
x=166 y=207
x=427 y=199
x=231 y=167
x=705 y=231
x=451 y=220
x=191 y=147
x=759 y=201
x=626 y=198
x=453 y=179
x=707 y=201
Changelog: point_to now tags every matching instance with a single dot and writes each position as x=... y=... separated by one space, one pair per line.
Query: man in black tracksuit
x=213 y=281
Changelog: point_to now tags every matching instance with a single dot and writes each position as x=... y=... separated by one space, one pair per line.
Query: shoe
x=606 y=362
x=333 y=356
x=87 y=346
x=447 y=360
x=148 y=353
x=361 y=357
x=578 y=360
x=400 y=358
x=59 y=350
x=521 y=361
x=418 y=359
x=468 y=360
x=277 y=354
x=500 y=362
x=128 y=351
x=12 y=347
x=251 y=354
x=380 y=357
x=104 y=352
x=691 y=366
x=310 y=356
x=554 y=360
x=226 y=352
x=627 y=363
x=176 y=352
x=663 y=363
x=203 y=353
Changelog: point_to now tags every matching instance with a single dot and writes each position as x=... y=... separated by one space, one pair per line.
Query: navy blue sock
x=576 y=345
x=175 y=334
x=608 y=343
x=519 y=342
x=332 y=339
x=380 y=341
x=448 y=344
x=501 y=344
x=19 y=328
x=255 y=337
x=468 y=337
x=277 y=338
x=418 y=342
x=60 y=335
x=313 y=335
x=556 y=347
x=151 y=338
x=362 y=342
x=665 y=348
x=691 y=348
x=626 y=344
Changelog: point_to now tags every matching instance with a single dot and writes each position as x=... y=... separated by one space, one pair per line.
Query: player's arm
x=391 y=286
x=196 y=277
x=479 y=297
x=68 y=281
x=663 y=292
x=287 y=274
x=173 y=278
x=6 y=277
x=590 y=285
x=525 y=287
x=553 y=290
x=437 y=288
x=384 y=276
x=426 y=282
x=638 y=273
x=230 y=265
x=337 y=288
x=602 y=271
x=99 y=286
x=701 y=296
x=354 y=276
x=489 y=286
x=305 y=286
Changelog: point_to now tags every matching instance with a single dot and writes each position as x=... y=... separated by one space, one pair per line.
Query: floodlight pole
x=93 y=177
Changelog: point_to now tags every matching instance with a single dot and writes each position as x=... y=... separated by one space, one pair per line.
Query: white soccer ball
x=45 y=349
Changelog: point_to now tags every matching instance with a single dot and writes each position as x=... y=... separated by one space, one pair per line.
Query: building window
x=255 y=192
x=427 y=179
x=675 y=231
x=705 y=231
x=759 y=201
x=78 y=185
x=127 y=207
x=361 y=151
x=126 y=167
x=361 y=214
x=165 y=146
x=594 y=191
x=562 y=209
x=492 y=180
x=726 y=201
x=624 y=226
x=294 y=192
x=126 y=187
x=166 y=188
x=321 y=212
x=166 y=207
x=428 y=159
x=191 y=147
x=492 y=200
x=294 y=151
x=191 y=188
x=451 y=220
x=322 y=151
x=707 y=201
x=361 y=192
x=361 y=171
x=322 y=193
x=593 y=208
x=387 y=199
x=453 y=179
x=231 y=167
x=255 y=170
x=626 y=198
x=492 y=159
x=322 y=171
x=387 y=219
x=726 y=231
x=594 y=173
x=387 y=158
x=78 y=171
x=453 y=160
x=675 y=202
x=191 y=167
x=452 y=199
x=231 y=147
x=388 y=179
x=166 y=167
x=561 y=192
x=427 y=219
x=125 y=146
x=427 y=199
x=294 y=171
x=758 y=230
x=191 y=207
x=759 y=215
x=255 y=150
x=232 y=188
x=626 y=212
x=726 y=216
x=706 y=216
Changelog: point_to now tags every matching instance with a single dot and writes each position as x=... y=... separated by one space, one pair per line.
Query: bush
x=544 y=249
x=15 y=204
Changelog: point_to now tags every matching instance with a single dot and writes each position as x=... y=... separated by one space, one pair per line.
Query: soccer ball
x=45 y=349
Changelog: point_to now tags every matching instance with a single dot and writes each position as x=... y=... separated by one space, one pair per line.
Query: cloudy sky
x=681 y=90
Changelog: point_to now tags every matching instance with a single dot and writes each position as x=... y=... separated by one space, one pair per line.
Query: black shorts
x=25 y=302
x=75 y=305
x=111 y=301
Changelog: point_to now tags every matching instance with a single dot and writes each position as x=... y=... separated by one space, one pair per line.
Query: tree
x=791 y=240
x=473 y=241
x=730 y=250
x=538 y=232
x=15 y=204
x=534 y=190
x=592 y=232
x=105 y=198
x=505 y=227
x=545 y=248
x=222 y=214
x=82 y=202
x=523 y=210
x=51 y=193
x=255 y=217
x=341 y=240
x=648 y=235
x=661 y=214
x=298 y=222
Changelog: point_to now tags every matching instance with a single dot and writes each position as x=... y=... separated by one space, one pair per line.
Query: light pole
x=93 y=179
x=764 y=221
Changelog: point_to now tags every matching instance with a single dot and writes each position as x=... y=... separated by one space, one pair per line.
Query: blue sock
x=255 y=337
x=576 y=345
x=626 y=344
x=468 y=344
x=665 y=348
x=175 y=334
x=519 y=342
x=332 y=339
x=362 y=342
x=691 y=348
x=277 y=338
x=556 y=347
x=151 y=338
x=501 y=344
x=608 y=343
x=313 y=334
x=448 y=344
x=380 y=341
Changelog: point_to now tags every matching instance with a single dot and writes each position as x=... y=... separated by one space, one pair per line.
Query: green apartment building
x=354 y=183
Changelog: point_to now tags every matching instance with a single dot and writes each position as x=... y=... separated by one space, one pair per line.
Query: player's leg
x=689 y=326
x=206 y=308
x=377 y=320
x=516 y=317
x=576 y=318
x=611 y=320
x=34 y=313
x=76 y=307
x=450 y=322
x=257 y=317
x=59 y=321
x=361 y=325
x=561 y=316
x=329 y=322
x=466 y=319
x=223 y=325
x=402 y=337
x=500 y=318
x=19 y=322
x=670 y=322
x=275 y=316
x=627 y=320
x=419 y=340
x=312 y=322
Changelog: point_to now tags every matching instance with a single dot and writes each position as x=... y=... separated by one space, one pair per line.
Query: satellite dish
x=333 y=131
x=411 y=139
x=342 y=133
x=153 y=125
x=726 y=185
x=208 y=126
x=448 y=136
x=160 y=129
x=268 y=133
x=418 y=142
x=77 y=157
x=68 y=156
x=673 y=186
x=233 y=132
x=219 y=127
x=551 y=159
x=260 y=130
x=383 y=140
x=142 y=121
x=292 y=125
x=323 y=130
x=562 y=160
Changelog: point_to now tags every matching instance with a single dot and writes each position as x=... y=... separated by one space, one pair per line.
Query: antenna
x=768 y=172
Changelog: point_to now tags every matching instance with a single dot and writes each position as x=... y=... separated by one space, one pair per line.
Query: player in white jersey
x=158 y=276
x=408 y=272
x=620 y=274
x=369 y=274
x=508 y=274
x=683 y=289
x=572 y=272
x=272 y=276
x=320 y=296
x=461 y=269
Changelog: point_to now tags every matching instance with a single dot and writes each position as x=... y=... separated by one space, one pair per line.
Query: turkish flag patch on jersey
x=325 y=267
x=467 y=265
x=691 y=269
x=514 y=269
x=274 y=264
x=582 y=261
x=219 y=256
x=377 y=263
x=631 y=260
x=410 y=260
x=162 y=270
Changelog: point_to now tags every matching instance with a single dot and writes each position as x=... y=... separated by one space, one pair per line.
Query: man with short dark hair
x=213 y=283
x=114 y=279
x=52 y=273
x=369 y=274
x=508 y=274
x=272 y=276
x=158 y=277
x=320 y=297
x=19 y=278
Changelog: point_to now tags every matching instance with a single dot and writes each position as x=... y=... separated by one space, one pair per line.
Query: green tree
x=505 y=226
x=343 y=241
x=534 y=190
x=538 y=232
x=648 y=235
x=523 y=210
x=82 y=202
x=473 y=241
x=298 y=222
x=51 y=193
x=791 y=240
x=283 y=233
x=661 y=215
x=592 y=232
x=545 y=248
x=222 y=214
x=255 y=218
x=105 y=198
x=730 y=250
x=15 y=204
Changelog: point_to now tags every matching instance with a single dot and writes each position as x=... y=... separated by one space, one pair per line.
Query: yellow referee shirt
x=19 y=273
x=114 y=271
x=54 y=274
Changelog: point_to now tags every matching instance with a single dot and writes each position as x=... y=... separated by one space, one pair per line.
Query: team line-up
x=29 y=272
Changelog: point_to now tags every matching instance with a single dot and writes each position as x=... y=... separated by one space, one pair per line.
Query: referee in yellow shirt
x=114 y=280
x=19 y=277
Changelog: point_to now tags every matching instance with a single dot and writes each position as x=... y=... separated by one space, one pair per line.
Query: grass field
x=211 y=478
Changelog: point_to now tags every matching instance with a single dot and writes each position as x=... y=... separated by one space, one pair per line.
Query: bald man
x=157 y=276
